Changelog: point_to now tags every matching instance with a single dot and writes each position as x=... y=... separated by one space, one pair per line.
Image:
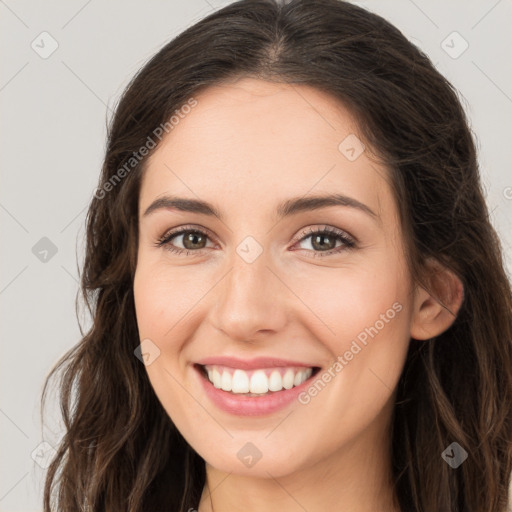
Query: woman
x=298 y=300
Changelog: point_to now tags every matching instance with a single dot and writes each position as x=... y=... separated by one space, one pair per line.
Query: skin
x=245 y=147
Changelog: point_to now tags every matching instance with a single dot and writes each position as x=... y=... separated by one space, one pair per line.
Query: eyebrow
x=284 y=209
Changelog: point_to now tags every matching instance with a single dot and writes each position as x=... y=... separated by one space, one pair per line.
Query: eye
x=323 y=241
x=192 y=240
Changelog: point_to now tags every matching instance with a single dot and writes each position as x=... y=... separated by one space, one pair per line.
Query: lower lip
x=241 y=405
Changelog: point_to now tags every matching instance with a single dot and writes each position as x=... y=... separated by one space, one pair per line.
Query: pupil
x=318 y=239
x=192 y=237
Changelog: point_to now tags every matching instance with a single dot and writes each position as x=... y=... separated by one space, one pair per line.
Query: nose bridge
x=248 y=300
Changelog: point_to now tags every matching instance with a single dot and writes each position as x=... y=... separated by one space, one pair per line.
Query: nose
x=251 y=300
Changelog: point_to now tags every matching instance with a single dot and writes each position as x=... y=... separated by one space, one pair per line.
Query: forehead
x=252 y=140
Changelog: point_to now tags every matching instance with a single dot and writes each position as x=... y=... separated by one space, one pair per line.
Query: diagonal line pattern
x=14 y=76
x=13 y=279
x=3 y=3
x=380 y=379
x=210 y=492
x=13 y=486
x=492 y=81
x=424 y=13
x=76 y=14
x=279 y=423
x=285 y=490
x=295 y=89
x=485 y=15
x=70 y=274
x=14 y=423
x=14 y=218
x=73 y=219
x=108 y=108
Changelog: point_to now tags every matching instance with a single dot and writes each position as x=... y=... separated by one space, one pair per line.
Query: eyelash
x=348 y=241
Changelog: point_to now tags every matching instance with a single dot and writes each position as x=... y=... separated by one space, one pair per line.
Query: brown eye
x=190 y=240
x=323 y=242
x=193 y=240
x=319 y=242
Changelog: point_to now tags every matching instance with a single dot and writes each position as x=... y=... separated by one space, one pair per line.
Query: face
x=321 y=290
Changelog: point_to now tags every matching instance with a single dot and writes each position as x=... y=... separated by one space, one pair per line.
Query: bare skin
x=246 y=147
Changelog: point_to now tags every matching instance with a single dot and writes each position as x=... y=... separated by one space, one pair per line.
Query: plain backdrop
x=64 y=64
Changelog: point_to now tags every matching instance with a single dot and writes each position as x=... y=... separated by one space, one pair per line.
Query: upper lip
x=251 y=364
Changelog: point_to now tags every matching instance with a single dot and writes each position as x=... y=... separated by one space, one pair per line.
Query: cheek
x=168 y=304
x=162 y=298
x=365 y=324
x=350 y=299
x=161 y=305
x=149 y=300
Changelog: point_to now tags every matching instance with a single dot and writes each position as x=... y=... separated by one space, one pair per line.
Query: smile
x=256 y=391
x=256 y=382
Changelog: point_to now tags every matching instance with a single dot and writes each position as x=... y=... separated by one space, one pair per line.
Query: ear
x=436 y=302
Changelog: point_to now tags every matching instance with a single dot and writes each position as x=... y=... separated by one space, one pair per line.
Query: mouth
x=258 y=382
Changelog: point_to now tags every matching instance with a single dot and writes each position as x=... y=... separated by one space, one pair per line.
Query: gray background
x=54 y=112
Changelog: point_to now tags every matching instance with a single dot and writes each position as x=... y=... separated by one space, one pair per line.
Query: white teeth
x=288 y=379
x=226 y=381
x=275 y=383
x=216 y=379
x=240 y=382
x=257 y=382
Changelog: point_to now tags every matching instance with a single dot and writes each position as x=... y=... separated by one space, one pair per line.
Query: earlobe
x=437 y=303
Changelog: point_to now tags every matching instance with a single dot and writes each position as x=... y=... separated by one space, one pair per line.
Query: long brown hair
x=121 y=451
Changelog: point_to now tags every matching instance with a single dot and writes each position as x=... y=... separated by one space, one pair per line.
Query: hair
x=120 y=450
